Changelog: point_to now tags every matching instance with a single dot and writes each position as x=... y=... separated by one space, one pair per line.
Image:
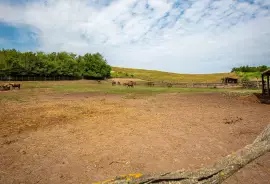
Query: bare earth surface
x=84 y=137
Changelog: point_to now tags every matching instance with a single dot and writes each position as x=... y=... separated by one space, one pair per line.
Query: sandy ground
x=83 y=138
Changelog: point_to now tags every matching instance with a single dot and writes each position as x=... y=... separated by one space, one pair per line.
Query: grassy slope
x=153 y=75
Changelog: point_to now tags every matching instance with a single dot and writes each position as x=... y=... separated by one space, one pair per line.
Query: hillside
x=154 y=75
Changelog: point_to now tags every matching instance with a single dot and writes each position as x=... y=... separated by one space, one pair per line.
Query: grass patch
x=242 y=92
x=34 y=89
x=10 y=97
x=123 y=90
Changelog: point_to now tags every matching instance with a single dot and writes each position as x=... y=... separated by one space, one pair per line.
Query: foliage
x=250 y=68
x=15 y=63
x=245 y=78
x=249 y=75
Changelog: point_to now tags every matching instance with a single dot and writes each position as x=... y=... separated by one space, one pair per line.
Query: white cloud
x=195 y=37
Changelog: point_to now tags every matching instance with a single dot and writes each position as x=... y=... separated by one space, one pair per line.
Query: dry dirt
x=83 y=138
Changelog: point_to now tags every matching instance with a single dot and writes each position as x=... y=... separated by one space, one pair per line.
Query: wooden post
x=262 y=85
x=268 y=89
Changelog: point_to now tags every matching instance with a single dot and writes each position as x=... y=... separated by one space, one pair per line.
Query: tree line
x=250 y=68
x=16 y=63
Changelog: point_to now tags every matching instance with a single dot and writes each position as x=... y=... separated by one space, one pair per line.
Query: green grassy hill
x=253 y=76
x=154 y=75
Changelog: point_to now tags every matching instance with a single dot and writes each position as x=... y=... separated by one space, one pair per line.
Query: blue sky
x=184 y=36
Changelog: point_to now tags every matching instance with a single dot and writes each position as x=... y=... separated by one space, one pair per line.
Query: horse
x=15 y=85
x=118 y=83
x=169 y=85
x=5 y=87
x=99 y=81
x=130 y=84
x=113 y=83
x=150 y=83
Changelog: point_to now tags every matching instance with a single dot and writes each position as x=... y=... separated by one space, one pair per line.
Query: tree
x=15 y=63
x=250 y=68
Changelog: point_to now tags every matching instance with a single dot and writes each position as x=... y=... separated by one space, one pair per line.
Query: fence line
x=248 y=84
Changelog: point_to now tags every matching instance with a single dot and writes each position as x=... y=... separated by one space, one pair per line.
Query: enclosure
x=82 y=132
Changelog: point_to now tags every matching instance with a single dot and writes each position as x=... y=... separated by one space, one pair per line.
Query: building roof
x=267 y=72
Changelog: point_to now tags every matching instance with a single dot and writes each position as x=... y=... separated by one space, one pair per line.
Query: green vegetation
x=15 y=63
x=247 y=73
x=246 y=76
x=153 y=75
x=250 y=68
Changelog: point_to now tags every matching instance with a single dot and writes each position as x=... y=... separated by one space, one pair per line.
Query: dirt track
x=82 y=138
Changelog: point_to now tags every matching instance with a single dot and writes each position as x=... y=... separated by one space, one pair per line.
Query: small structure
x=230 y=80
x=265 y=84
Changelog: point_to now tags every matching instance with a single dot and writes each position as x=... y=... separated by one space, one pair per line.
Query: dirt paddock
x=85 y=137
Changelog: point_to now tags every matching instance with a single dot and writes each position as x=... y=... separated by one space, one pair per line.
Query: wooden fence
x=249 y=84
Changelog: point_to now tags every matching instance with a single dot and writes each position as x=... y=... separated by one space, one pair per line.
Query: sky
x=183 y=36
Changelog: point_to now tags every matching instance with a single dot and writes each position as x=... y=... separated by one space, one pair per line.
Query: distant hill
x=154 y=75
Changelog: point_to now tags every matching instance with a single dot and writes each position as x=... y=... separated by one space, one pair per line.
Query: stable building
x=265 y=84
x=230 y=80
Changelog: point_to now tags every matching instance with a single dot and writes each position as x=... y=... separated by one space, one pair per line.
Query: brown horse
x=130 y=84
x=150 y=83
x=5 y=87
x=169 y=85
x=113 y=83
x=15 y=85
x=119 y=83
